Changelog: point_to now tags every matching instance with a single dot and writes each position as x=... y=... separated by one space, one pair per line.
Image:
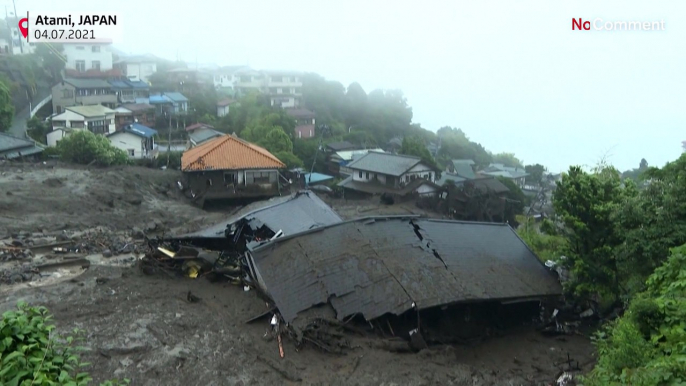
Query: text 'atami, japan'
x=40 y=27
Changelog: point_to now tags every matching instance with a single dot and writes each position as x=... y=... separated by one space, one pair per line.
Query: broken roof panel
x=375 y=266
x=292 y=214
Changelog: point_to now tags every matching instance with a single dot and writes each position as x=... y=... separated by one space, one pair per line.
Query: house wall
x=222 y=111
x=426 y=190
x=71 y=119
x=140 y=71
x=131 y=144
x=419 y=171
x=55 y=136
x=63 y=95
x=68 y=119
x=218 y=184
x=84 y=52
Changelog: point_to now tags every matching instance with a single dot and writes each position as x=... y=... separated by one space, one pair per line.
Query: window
x=246 y=79
x=132 y=152
x=95 y=48
x=273 y=90
x=257 y=177
x=67 y=93
x=95 y=64
x=360 y=174
x=231 y=178
x=80 y=48
x=277 y=78
x=300 y=134
x=81 y=65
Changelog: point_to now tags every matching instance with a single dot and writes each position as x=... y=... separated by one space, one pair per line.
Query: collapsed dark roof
x=292 y=214
x=374 y=266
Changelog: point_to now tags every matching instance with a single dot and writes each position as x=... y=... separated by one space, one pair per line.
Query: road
x=19 y=122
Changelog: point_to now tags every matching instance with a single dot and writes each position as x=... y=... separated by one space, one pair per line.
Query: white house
x=223 y=107
x=139 y=67
x=97 y=119
x=136 y=140
x=88 y=56
x=378 y=173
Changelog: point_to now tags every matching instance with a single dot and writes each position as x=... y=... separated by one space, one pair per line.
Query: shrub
x=84 y=147
x=647 y=346
x=32 y=353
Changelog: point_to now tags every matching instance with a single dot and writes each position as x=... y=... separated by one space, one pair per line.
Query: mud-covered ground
x=143 y=328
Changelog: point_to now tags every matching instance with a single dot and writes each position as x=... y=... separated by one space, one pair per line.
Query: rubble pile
x=14 y=253
x=19 y=274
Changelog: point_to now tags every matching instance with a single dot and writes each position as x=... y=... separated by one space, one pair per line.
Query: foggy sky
x=514 y=77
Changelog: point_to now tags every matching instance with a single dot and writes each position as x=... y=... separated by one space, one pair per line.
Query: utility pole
x=322 y=129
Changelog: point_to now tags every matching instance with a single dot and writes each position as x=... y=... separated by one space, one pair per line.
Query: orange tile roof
x=228 y=153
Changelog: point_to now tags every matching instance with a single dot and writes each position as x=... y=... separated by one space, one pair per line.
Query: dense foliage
x=647 y=346
x=618 y=240
x=84 y=147
x=6 y=107
x=32 y=353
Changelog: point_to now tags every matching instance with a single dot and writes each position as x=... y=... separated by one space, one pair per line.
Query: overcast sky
x=512 y=75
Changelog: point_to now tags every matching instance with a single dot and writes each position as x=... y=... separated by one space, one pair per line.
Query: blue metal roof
x=138 y=84
x=176 y=96
x=159 y=99
x=139 y=130
x=124 y=84
x=316 y=177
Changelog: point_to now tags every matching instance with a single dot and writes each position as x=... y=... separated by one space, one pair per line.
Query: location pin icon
x=24 y=30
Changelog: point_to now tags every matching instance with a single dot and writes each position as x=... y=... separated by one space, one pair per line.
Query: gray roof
x=385 y=163
x=203 y=134
x=445 y=177
x=90 y=111
x=295 y=213
x=464 y=170
x=500 y=170
x=375 y=266
x=12 y=147
x=88 y=83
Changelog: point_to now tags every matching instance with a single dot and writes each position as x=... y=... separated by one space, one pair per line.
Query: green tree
x=38 y=129
x=84 y=147
x=276 y=141
x=507 y=159
x=535 y=173
x=290 y=159
x=516 y=200
x=33 y=353
x=456 y=145
x=6 y=106
x=585 y=202
x=652 y=221
x=415 y=147
x=646 y=345
x=306 y=150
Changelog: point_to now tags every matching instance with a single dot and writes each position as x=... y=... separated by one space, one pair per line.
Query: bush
x=647 y=346
x=84 y=147
x=31 y=353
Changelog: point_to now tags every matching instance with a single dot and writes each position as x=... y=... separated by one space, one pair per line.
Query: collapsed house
x=394 y=266
x=262 y=220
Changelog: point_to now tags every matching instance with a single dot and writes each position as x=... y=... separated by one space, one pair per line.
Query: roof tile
x=228 y=153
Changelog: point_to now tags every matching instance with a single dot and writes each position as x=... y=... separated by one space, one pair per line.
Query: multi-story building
x=97 y=119
x=225 y=78
x=74 y=92
x=11 y=40
x=284 y=88
x=83 y=57
x=138 y=68
x=131 y=91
